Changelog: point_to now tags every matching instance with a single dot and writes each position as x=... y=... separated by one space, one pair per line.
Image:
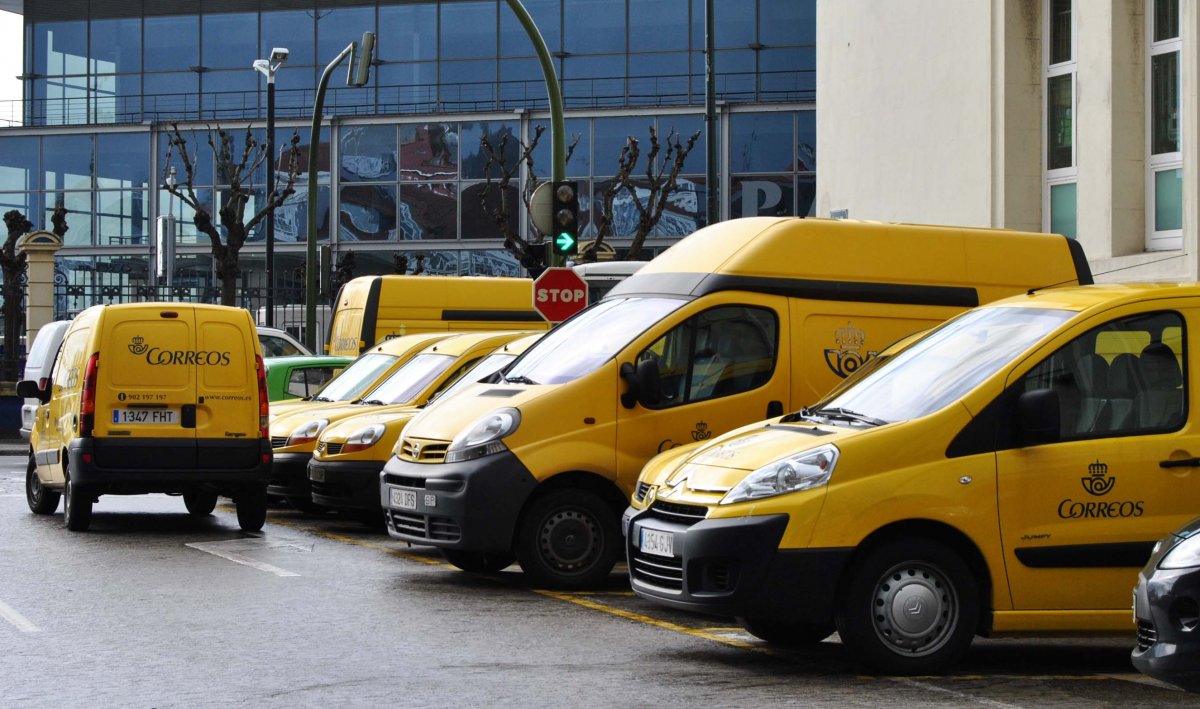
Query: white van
x=37 y=366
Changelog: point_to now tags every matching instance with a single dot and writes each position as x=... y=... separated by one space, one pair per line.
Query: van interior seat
x=1159 y=401
x=1094 y=410
x=747 y=356
x=1122 y=383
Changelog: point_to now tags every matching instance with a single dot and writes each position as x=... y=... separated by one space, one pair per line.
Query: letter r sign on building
x=559 y=293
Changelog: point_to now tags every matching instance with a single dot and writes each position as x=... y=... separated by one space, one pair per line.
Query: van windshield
x=357 y=378
x=487 y=367
x=581 y=345
x=943 y=366
x=408 y=381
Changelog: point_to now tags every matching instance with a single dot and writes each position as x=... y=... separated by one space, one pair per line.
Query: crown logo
x=138 y=345
x=1097 y=482
x=850 y=337
x=701 y=433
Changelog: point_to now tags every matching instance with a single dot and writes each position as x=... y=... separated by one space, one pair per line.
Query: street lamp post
x=268 y=67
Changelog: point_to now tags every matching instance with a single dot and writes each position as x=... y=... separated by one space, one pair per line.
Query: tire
x=77 y=506
x=200 y=504
x=251 y=506
x=479 y=562
x=42 y=500
x=911 y=607
x=568 y=539
x=787 y=633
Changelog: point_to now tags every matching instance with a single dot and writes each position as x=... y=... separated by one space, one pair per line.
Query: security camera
x=279 y=55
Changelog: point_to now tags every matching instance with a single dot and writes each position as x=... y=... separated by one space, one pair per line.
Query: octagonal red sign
x=559 y=293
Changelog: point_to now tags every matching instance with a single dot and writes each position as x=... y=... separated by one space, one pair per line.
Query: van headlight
x=802 y=471
x=363 y=438
x=483 y=437
x=1184 y=555
x=308 y=432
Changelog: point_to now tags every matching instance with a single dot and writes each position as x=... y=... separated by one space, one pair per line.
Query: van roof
x=405 y=344
x=840 y=259
x=1105 y=295
x=458 y=345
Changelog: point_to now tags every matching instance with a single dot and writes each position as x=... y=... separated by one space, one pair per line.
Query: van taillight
x=87 y=404
x=264 y=405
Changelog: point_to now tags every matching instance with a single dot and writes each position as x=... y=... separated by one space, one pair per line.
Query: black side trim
x=698 y=284
x=493 y=315
x=1083 y=272
x=801 y=429
x=500 y=392
x=1086 y=556
x=370 y=315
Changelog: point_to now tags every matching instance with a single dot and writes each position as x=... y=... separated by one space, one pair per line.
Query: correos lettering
x=1070 y=509
x=210 y=358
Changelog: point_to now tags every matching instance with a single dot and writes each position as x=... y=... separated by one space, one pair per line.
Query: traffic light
x=565 y=241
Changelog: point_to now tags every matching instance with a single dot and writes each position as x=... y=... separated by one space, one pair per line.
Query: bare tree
x=12 y=263
x=237 y=166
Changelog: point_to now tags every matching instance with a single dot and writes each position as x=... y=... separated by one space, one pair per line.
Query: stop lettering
x=559 y=293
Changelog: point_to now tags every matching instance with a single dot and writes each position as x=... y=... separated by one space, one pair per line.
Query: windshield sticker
x=849 y=354
x=1099 y=483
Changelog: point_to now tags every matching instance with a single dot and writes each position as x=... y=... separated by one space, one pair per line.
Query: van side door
x=720 y=366
x=1080 y=513
x=226 y=400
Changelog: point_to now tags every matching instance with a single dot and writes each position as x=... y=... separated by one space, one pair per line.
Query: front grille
x=442 y=529
x=642 y=489
x=1146 y=635
x=689 y=514
x=333 y=448
x=332 y=490
x=404 y=480
x=278 y=441
x=416 y=450
x=658 y=571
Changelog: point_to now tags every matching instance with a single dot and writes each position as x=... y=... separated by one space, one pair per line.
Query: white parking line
x=225 y=551
x=18 y=621
x=957 y=695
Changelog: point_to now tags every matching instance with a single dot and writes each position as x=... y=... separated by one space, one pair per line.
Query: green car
x=301 y=376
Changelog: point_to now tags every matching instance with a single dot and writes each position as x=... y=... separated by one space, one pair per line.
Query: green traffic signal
x=566 y=217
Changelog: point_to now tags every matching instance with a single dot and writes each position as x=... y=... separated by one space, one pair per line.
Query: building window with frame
x=1164 y=155
x=1059 y=195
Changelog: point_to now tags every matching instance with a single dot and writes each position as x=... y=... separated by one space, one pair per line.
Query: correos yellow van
x=295 y=435
x=373 y=308
x=344 y=470
x=740 y=321
x=1007 y=473
x=153 y=397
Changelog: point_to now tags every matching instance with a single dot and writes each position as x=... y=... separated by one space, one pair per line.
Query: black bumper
x=734 y=567
x=471 y=505
x=345 y=485
x=169 y=477
x=1165 y=650
x=289 y=476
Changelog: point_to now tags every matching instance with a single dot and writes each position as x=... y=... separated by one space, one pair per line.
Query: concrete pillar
x=39 y=248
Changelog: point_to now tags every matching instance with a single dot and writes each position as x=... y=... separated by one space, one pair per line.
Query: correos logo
x=1098 y=484
x=159 y=357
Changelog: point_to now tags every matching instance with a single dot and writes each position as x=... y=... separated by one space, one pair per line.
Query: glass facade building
x=401 y=171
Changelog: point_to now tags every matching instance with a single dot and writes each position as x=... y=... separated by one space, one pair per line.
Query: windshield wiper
x=314 y=397
x=804 y=414
x=373 y=402
x=848 y=415
x=519 y=380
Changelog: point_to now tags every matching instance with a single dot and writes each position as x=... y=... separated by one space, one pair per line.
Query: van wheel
x=787 y=633
x=911 y=607
x=479 y=562
x=200 y=504
x=568 y=539
x=42 y=500
x=251 y=508
x=77 y=506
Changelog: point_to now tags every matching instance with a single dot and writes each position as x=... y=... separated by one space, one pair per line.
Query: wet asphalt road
x=154 y=608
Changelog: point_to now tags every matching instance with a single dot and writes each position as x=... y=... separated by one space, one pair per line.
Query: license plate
x=404 y=499
x=316 y=475
x=151 y=416
x=657 y=542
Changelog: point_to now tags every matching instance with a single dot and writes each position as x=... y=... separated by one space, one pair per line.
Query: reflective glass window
x=591 y=26
x=1168 y=200
x=293 y=29
x=806 y=141
x=514 y=40
x=658 y=78
x=18 y=163
x=1060 y=129
x=611 y=135
x=339 y=27
x=408 y=88
x=122 y=217
x=116 y=98
x=171 y=96
x=236 y=139
x=760 y=142
x=79 y=215
x=734 y=22
x=1164 y=103
x=474 y=159
x=787 y=74
x=806 y=195
x=522 y=84
x=580 y=164
x=407 y=32
x=1061 y=37
x=368 y=153
x=468 y=29
x=1062 y=209
x=117 y=45
x=489 y=262
x=684 y=126
x=28 y=203
x=1166 y=19
x=594 y=81
x=429 y=151
x=482 y=205
x=293 y=89
x=658 y=25
x=121 y=269
x=762 y=196
x=367 y=213
x=255 y=197
x=232 y=93
x=428 y=210
x=230 y=40
x=736 y=74
x=122 y=160
x=468 y=86
x=60 y=48
x=185 y=229
x=200 y=155
x=784 y=23
x=291 y=220
x=171 y=43
x=67 y=162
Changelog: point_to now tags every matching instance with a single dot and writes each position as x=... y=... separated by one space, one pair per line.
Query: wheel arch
x=603 y=487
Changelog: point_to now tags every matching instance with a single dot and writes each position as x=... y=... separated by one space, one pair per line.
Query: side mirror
x=629 y=376
x=1038 y=417
x=29 y=389
x=649 y=383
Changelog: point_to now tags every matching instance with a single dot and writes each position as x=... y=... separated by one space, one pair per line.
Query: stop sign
x=559 y=293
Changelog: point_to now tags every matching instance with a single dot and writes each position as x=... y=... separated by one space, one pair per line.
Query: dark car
x=1166 y=606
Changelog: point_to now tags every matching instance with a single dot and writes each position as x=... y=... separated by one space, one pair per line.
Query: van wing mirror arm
x=629 y=375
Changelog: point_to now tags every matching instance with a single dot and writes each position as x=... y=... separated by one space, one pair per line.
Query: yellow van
x=1008 y=473
x=344 y=470
x=740 y=321
x=374 y=308
x=295 y=435
x=153 y=397
x=363 y=374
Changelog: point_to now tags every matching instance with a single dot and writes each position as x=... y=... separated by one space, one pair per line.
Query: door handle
x=1181 y=463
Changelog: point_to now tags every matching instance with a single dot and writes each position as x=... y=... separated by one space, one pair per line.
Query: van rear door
x=145 y=393
x=226 y=389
